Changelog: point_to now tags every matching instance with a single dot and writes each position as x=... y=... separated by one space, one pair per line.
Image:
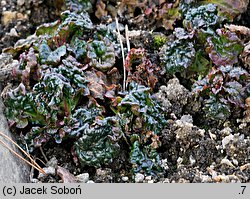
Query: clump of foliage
x=143 y=121
x=68 y=81
x=148 y=14
x=224 y=47
x=177 y=55
x=229 y=9
x=159 y=40
x=101 y=54
x=98 y=144
x=201 y=17
x=140 y=69
x=223 y=89
x=192 y=51
x=50 y=102
x=64 y=92
x=53 y=84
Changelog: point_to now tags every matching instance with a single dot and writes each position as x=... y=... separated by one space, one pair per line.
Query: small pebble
x=192 y=160
x=83 y=178
x=148 y=178
x=3 y=3
x=90 y=181
x=34 y=180
x=13 y=32
x=187 y=118
x=52 y=162
x=20 y=2
x=49 y=171
x=235 y=162
x=179 y=160
x=124 y=178
x=226 y=140
x=139 y=177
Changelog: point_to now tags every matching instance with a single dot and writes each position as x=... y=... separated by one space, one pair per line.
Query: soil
x=191 y=151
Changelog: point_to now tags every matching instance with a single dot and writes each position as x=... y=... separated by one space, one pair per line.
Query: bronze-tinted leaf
x=97 y=80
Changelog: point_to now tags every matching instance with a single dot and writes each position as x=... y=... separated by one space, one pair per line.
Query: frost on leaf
x=60 y=32
x=201 y=17
x=229 y=8
x=177 y=56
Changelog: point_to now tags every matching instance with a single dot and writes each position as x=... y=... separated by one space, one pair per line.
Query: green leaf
x=216 y=109
x=145 y=160
x=201 y=65
x=79 y=48
x=101 y=54
x=44 y=52
x=139 y=104
x=54 y=57
x=224 y=48
x=95 y=147
x=177 y=55
x=49 y=29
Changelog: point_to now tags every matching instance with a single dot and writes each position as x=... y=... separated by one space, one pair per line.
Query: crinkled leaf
x=229 y=8
x=236 y=90
x=21 y=46
x=61 y=31
x=145 y=72
x=79 y=48
x=138 y=103
x=44 y=52
x=226 y=87
x=101 y=54
x=201 y=17
x=28 y=69
x=20 y=106
x=144 y=160
x=84 y=116
x=201 y=65
x=71 y=69
x=224 y=48
x=76 y=20
x=177 y=55
x=48 y=28
x=97 y=81
x=95 y=147
x=216 y=109
x=54 y=57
